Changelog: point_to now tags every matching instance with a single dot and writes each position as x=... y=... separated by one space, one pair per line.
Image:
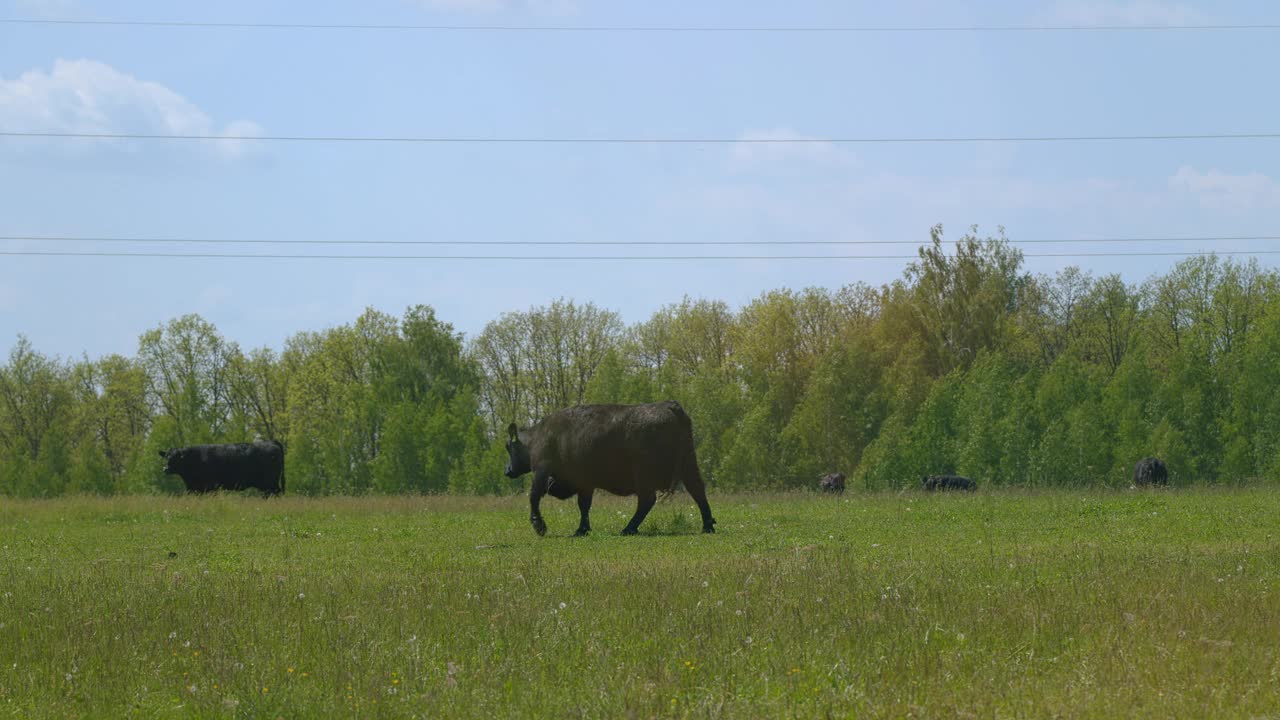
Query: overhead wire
x=571 y=258
x=605 y=243
x=751 y=29
x=621 y=140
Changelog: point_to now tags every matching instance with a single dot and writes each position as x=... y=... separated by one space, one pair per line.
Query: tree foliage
x=967 y=363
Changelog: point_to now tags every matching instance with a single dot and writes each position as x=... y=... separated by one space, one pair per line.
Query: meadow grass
x=996 y=604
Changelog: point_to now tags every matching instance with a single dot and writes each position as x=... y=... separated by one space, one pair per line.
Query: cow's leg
x=698 y=491
x=699 y=494
x=584 y=509
x=535 y=498
x=643 y=505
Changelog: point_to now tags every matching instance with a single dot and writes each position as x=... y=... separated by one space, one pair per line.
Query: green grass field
x=1004 y=604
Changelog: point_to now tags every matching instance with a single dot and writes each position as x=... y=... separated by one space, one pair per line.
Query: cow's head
x=173 y=460
x=518 y=462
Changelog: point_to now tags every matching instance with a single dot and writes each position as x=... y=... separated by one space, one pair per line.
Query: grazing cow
x=623 y=449
x=1150 y=471
x=832 y=482
x=948 y=482
x=239 y=466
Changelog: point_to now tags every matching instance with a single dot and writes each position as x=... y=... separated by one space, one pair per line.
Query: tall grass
x=990 y=605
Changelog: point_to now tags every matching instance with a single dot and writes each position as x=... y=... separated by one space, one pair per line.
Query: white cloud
x=793 y=148
x=1130 y=12
x=1218 y=190
x=86 y=96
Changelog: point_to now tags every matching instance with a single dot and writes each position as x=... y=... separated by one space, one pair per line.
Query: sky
x=246 y=82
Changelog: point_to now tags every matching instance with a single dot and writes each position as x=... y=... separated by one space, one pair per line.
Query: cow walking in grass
x=948 y=482
x=236 y=466
x=639 y=450
x=832 y=483
x=1149 y=472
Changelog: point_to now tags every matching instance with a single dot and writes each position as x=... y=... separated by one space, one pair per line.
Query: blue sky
x=245 y=82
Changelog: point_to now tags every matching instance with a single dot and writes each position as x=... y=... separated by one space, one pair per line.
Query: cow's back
x=239 y=466
x=618 y=448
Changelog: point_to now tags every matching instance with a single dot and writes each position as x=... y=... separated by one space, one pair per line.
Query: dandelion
x=749 y=641
x=173 y=636
x=290 y=671
x=563 y=606
x=306 y=674
x=302 y=596
x=704 y=583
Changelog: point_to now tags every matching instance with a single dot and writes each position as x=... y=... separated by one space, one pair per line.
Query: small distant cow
x=832 y=483
x=948 y=482
x=1150 y=471
x=238 y=466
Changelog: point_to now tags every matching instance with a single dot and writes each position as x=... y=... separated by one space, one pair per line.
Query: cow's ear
x=513 y=432
x=163 y=454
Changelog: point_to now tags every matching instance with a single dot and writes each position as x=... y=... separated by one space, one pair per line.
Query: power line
x=606 y=243
x=459 y=139
x=756 y=29
x=570 y=258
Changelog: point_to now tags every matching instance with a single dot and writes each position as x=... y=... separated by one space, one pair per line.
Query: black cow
x=238 y=466
x=948 y=482
x=832 y=483
x=1150 y=471
x=623 y=449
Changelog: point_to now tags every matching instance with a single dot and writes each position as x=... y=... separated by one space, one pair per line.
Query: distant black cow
x=623 y=449
x=239 y=466
x=832 y=483
x=1150 y=471
x=948 y=482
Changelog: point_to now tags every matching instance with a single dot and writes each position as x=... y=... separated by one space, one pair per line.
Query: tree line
x=967 y=363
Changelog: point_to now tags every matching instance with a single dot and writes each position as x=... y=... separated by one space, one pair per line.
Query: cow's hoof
x=581 y=532
x=629 y=531
x=539 y=526
x=708 y=529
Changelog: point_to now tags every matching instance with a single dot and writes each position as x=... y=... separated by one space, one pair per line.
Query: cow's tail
x=687 y=464
x=688 y=472
x=280 y=445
